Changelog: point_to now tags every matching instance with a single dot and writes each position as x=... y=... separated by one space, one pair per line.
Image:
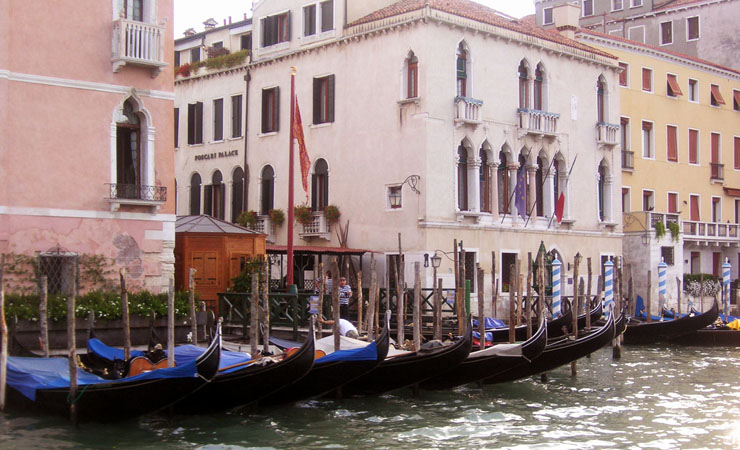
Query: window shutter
x=737 y=152
x=316 y=100
x=314 y=192
x=277 y=109
x=330 y=102
x=646 y=78
x=191 y=124
x=264 y=111
x=672 y=144
x=325 y=191
x=199 y=123
x=287 y=24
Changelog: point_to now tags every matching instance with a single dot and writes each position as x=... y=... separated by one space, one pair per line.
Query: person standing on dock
x=345 y=292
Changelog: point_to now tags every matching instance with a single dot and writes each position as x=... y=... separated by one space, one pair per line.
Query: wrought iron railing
x=138 y=192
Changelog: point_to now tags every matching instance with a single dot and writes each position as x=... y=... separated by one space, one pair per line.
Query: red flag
x=559 y=207
x=298 y=134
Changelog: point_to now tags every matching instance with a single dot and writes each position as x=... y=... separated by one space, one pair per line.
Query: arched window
x=503 y=184
x=463 y=82
x=412 y=76
x=603 y=192
x=462 y=178
x=195 y=195
x=601 y=100
x=237 y=193
x=521 y=174
x=128 y=152
x=485 y=182
x=539 y=76
x=267 y=184
x=320 y=186
x=523 y=85
x=214 y=196
x=540 y=184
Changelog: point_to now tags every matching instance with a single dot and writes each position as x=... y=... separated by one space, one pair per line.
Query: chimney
x=566 y=18
x=210 y=23
x=189 y=32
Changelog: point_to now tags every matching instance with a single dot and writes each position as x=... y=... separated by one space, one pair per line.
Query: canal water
x=654 y=397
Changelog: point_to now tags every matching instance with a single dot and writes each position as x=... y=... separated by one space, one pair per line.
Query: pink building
x=86 y=134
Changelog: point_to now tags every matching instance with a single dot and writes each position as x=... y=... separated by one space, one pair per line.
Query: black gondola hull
x=652 y=332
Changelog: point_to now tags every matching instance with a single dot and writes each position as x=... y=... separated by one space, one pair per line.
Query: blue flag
x=520 y=193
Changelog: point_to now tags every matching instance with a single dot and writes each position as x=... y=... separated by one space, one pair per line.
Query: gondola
x=490 y=361
x=561 y=352
x=331 y=372
x=639 y=332
x=409 y=368
x=42 y=385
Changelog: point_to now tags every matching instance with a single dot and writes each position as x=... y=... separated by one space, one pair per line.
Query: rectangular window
x=177 y=58
x=693 y=146
x=736 y=149
x=395 y=199
x=327 y=15
x=626 y=200
x=323 y=99
x=716 y=209
x=270 y=109
x=617 y=5
x=736 y=100
x=648 y=200
x=194 y=55
x=647 y=140
x=666 y=33
x=236 y=116
x=275 y=29
x=667 y=254
x=412 y=77
x=692 y=28
x=715 y=154
x=672 y=138
x=588 y=8
x=245 y=41
x=672 y=88
x=647 y=79
x=715 y=96
x=195 y=123
x=546 y=16
x=177 y=127
x=694 y=208
x=218 y=119
x=636 y=3
x=737 y=211
x=693 y=90
x=672 y=203
x=309 y=20
x=624 y=74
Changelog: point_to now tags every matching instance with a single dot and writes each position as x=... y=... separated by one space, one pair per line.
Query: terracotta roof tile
x=475 y=11
x=676 y=4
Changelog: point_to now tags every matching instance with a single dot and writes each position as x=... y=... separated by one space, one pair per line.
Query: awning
x=733 y=192
x=717 y=96
x=673 y=83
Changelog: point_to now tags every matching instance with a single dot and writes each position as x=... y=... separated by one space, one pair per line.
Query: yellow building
x=680 y=141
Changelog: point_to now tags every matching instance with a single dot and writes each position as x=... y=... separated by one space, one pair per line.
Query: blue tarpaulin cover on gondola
x=27 y=375
x=367 y=353
x=183 y=354
x=489 y=336
x=490 y=323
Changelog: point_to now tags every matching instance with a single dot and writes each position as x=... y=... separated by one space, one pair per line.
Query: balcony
x=718 y=172
x=264 y=226
x=135 y=194
x=467 y=110
x=537 y=122
x=139 y=44
x=628 y=160
x=711 y=232
x=645 y=220
x=317 y=228
x=606 y=134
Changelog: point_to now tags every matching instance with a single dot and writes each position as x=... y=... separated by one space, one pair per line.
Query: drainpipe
x=247 y=78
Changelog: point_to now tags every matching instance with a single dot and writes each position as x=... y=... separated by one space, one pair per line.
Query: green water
x=659 y=398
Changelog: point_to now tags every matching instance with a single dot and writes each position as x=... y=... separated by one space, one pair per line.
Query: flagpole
x=566 y=185
x=289 y=228
x=542 y=185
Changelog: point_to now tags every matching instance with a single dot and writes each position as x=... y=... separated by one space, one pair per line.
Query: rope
x=78 y=396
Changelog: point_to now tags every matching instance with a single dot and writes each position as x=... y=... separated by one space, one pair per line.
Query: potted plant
x=675 y=230
x=277 y=217
x=659 y=230
x=247 y=219
x=332 y=214
x=303 y=214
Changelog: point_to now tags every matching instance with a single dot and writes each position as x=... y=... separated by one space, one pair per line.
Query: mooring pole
x=193 y=313
x=678 y=290
x=417 y=306
x=400 y=296
x=125 y=317
x=649 y=296
x=335 y=303
x=360 y=302
x=494 y=287
x=373 y=292
x=72 y=349
x=574 y=307
x=171 y=324
x=254 y=316
x=43 y=319
x=322 y=291
x=528 y=301
x=512 y=302
x=481 y=310
x=266 y=303
x=3 y=337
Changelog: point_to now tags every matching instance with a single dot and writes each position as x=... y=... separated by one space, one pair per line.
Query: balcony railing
x=606 y=133
x=538 y=122
x=264 y=226
x=646 y=220
x=138 y=43
x=467 y=110
x=136 y=194
x=718 y=171
x=628 y=159
x=318 y=226
x=694 y=230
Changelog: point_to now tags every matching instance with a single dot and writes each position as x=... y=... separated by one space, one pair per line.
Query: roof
x=477 y=12
x=200 y=34
x=208 y=224
x=655 y=49
x=317 y=250
x=676 y=4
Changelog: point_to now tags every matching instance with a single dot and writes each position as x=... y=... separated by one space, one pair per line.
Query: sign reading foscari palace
x=216 y=155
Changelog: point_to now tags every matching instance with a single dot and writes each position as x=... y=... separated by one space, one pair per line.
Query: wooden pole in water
x=649 y=296
x=193 y=312
x=254 y=316
x=171 y=324
x=481 y=310
x=373 y=298
x=43 y=319
x=438 y=306
x=461 y=304
x=541 y=297
x=617 y=348
x=335 y=304
x=3 y=337
x=400 y=298
x=519 y=291
x=417 y=306
x=71 y=349
x=360 y=302
x=678 y=290
x=701 y=292
x=587 y=302
x=125 y=316
x=494 y=289
x=322 y=290
x=528 y=301
x=574 y=307
x=266 y=303
x=630 y=297
x=456 y=264
x=512 y=302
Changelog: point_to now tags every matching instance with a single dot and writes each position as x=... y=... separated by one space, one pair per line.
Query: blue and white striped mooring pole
x=609 y=285
x=556 y=265
x=726 y=269
x=662 y=268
